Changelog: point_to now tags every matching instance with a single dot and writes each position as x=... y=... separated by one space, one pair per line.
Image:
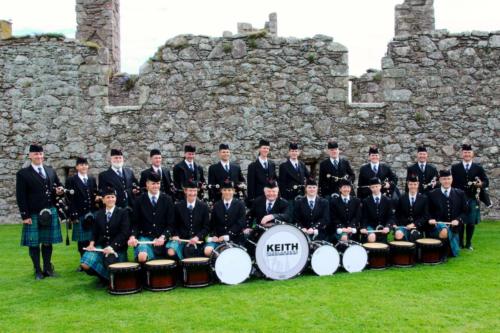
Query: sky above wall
x=364 y=26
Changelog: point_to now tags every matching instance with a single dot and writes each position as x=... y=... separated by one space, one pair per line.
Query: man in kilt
x=109 y=237
x=82 y=205
x=152 y=221
x=36 y=188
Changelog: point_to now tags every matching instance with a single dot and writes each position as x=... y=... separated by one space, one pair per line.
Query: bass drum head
x=325 y=260
x=233 y=266
x=282 y=252
x=354 y=259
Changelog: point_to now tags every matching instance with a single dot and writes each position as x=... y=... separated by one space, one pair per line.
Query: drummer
x=412 y=212
x=191 y=225
x=109 y=234
x=269 y=207
x=311 y=212
x=152 y=220
x=377 y=214
x=228 y=219
x=345 y=214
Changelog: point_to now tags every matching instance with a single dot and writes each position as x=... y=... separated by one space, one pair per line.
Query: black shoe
x=50 y=272
x=39 y=276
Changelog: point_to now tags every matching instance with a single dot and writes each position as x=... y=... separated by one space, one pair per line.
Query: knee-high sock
x=46 y=255
x=461 y=234
x=81 y=245
x=469 y=231
x=34 y=252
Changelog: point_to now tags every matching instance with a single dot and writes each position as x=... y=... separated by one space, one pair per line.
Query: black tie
x=227 y=205
x=108 y=216
x=335 y=164
x=153 y=201
x=40 y=172
x=467 y=167
x=422 y=167
x=311 y=204
x=265 y=165
x=412 y=201
x=346 y=201
x=226 y=167
x=120 y=174
x=377 y=200
x=269 y=207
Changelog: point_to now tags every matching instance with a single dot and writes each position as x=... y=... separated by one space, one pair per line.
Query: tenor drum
x=354 y=256
x=403 y=254
x=325 y=258
x=160 y=275
x=378 y=255
x=124 y=278
x=196 y=272
x=231 y=263
x=430 y=250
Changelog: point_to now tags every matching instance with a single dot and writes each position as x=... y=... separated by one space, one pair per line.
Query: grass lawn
x=462 y=295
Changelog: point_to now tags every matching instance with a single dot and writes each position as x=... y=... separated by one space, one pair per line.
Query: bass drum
x=231 y=263
x=282 y=252
x=325 y=258
x=354 y=256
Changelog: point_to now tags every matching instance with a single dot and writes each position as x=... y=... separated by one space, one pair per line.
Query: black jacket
x=327 y=184
x=166 y=184
x=152 y=221
x=83 y=199
x=317 y=218
x=115 y=233
x=443 y=209
x=290 y=177
x=383 y=172
x=461 y=179
x=217 y=175
x=259 y=210
x=190 y=224
x=182 y=174
x=418 y=214
x=230 y=222
x=342 y=215
x=123 y=186
x=33 y=193
x=257 y=177
x=374 y=215
x=424 y=178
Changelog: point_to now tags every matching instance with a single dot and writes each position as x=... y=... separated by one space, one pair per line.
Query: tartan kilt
x=148 y=248
x=79 y=234
x=34 y=235
x=95 y=260
x=474 y=215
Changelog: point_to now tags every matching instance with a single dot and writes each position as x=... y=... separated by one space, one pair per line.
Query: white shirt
x=35 y=167
x=151 y=195
x=270 y=202
x=262 y=161
x=110 y=211
x=422 y=164
x=373 y=165
x=309 y=199
x=228 y=203
x=82 y=177
x=295 y=163
x=343 y=198
x=224 y=164
x=446 y=189
x=157 y=169
x=190 y=203
x=117 y=170
x=412 y=196
x=465 y=164
x=189 y=164
x=377 y=196
x=333 y=161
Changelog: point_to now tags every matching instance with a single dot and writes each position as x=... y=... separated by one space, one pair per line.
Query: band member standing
x=332 y=170
x=259 y=173
x=425 y=172
x=312 y=213
x=471 y=178
x=412 y=212
x=152 y=221
x=188 y=171
x=36 y=188
x=221 y=172
x=82 y=204
x=377 y=214
x=447 y=204
x=227 y=218
x=167 y=186
x=345 y=214
x=121 y=179
x=382 y=171
x=191 y=222
x=109 y=234
x=292 y=174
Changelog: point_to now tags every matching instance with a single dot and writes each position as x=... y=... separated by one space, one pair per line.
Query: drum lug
x=112 y=281
x=147 y=277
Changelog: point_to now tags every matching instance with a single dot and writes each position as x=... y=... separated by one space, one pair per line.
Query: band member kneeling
x=448 y=210
x=378 y=214
x=191 y=225
x=152 y=221
x=312 y=213
x=345 y=214
x=109 y=237
x=412 y=212
x=227 y=220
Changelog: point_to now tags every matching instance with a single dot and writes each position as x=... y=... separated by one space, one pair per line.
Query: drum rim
x=402 y=243
x=306 y=249
x=155 y=262
x=124 y=265
x=375 y=246
x=429 y=241
x=200 y=260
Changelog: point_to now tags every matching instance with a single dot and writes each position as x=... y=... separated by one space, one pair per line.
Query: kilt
x=148 y=248
x=79 y=234
x=95 y=260
x=474 y=215
x=177 y=247
x=34 y=235
x=453 y=237
x=406 y=232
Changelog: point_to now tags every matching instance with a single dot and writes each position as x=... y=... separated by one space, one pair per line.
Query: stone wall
x=414 y=16
x=52 y=91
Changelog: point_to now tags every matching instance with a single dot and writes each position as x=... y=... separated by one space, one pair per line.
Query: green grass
x=459 y=296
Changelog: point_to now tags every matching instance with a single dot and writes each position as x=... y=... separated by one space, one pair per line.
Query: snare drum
x=160 y=275
x=196 y=272
x=231 y=263
x=325 y=258
x=354 y=256
x=124 y=278
x=429 y=250
x=282 y=252
x=378 y=255
x=403 y=253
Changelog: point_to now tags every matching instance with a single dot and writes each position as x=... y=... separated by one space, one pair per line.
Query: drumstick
x=145 y=242
x=100 y=250
x=185 y=241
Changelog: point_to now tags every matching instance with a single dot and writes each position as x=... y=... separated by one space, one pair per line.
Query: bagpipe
x=480 y=193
